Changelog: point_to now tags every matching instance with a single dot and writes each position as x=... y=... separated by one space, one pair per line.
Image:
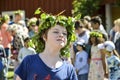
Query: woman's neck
x=51 y=59
x=51 y=52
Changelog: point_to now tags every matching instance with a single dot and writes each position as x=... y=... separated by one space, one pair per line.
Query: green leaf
x=38 y=11
x=43 y=16
x=78 y=17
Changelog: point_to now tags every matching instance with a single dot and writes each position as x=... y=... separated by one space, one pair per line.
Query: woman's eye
x=56 y=32
x=65 y=34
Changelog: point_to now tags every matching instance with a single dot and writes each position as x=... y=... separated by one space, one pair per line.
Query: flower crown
x=4 y=18
x=96 y=34
x=48 y=21
x=32 y=21
x=18 y=12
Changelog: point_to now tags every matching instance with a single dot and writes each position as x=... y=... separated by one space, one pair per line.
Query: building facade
x=29 y=6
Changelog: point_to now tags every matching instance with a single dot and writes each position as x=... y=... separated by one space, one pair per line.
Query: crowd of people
x=63 y=48
x=14 y=39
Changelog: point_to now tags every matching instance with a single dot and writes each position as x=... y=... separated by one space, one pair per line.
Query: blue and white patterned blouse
x=114 y=67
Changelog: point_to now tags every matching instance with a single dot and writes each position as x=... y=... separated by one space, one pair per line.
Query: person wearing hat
x=81 y=61
x=113 y=60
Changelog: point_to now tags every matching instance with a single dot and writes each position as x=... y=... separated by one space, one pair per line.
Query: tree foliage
x=118 y=2
x=85 y=7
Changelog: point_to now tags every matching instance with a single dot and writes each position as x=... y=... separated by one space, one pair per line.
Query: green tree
x=85 y=7
x=118 y=2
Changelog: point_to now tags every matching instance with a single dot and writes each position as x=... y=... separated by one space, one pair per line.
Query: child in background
x=81 y=61
x=113 y=60
x=26 y=50
x=96 y=70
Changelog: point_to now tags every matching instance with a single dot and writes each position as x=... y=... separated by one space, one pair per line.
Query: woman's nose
x=61 y=34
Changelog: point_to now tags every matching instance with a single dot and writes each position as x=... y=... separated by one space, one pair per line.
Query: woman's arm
x=104 y=63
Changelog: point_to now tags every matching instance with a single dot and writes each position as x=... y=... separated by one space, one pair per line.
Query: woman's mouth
x=60 y=40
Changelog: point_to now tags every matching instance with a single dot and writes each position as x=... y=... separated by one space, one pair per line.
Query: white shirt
x=24 y=52
x=85 y=37
x=117 y=36
x=81 y=62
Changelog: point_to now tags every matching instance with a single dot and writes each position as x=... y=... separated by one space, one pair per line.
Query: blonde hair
x=117 y=22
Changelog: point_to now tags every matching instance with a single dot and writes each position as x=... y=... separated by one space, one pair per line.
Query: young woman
x=52 y=40
x=113 y=61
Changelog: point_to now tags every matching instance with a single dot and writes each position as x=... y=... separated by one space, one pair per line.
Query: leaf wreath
x=48 y=21
x=96 y=34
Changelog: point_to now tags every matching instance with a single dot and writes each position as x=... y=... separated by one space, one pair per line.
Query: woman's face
x=92 y=39
x=57 y=37
x=34 y=28
x=94 y=25
x=79 y=48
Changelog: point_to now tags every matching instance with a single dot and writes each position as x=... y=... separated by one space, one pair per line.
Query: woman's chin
x=61 y=45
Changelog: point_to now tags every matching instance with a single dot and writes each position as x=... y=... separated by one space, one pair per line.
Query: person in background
x=33 y=27
x=96 y=24
x=26 y=50
x=96 y=70
x=113 y=59
x=117 y=35
x=81 y=33
x=6 y=38
x=17 y=43
x=81 y=61
x=52 y=41
x=19 y=18
x=86 y=21
x=3 y=63
x=22 y=28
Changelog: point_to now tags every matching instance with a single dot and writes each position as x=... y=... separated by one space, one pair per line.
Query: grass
x=10 y=74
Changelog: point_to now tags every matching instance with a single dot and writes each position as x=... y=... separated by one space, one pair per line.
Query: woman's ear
x=44 y=37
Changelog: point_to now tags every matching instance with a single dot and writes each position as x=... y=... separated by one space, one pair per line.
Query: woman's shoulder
x=30 y=58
